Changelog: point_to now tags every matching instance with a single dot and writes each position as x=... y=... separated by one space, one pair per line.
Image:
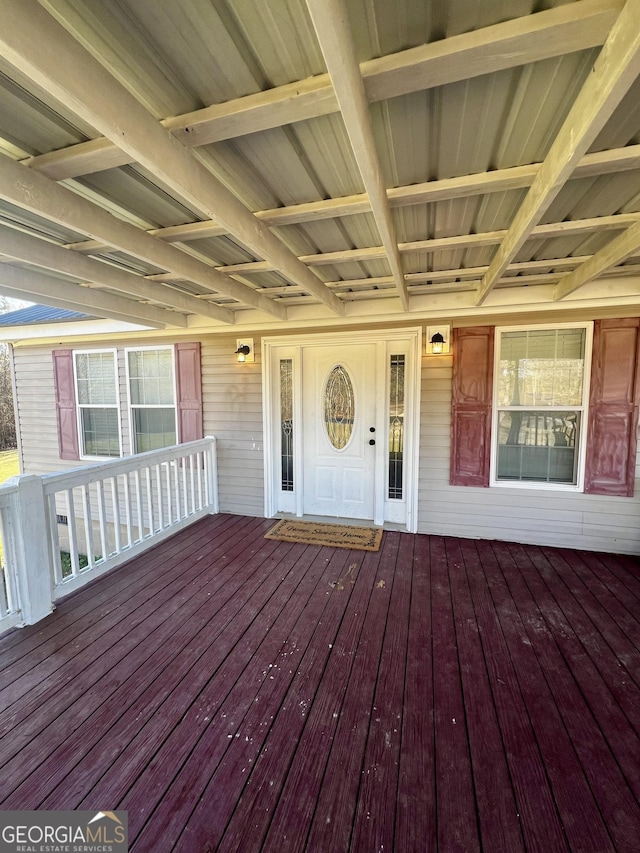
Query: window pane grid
x=540 y=392
x=151 y=380
x=153 y=428
x=100 y=432
x=152 y=398
x=97 y=400
x=95 y=378
x=542 y=368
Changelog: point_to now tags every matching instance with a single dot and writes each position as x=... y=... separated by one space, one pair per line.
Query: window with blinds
x=97 y=400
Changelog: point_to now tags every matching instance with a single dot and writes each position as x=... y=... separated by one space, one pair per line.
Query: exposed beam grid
x=610 y=256
x=615 y=69
x=516 y=274
x=33 y=42
x=511 y=272
x=567 y=228
x=42 y=253
x=332 y=29
x=24 y=283
x=570 y=228
x=552 y=32
x=515 y=177
x=34 y=192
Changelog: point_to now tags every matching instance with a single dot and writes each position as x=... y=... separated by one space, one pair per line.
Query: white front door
x=339 y=430
x=341 y=425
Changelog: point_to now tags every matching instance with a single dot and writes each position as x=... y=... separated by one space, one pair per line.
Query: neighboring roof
x=35 y=314
x=249 y=162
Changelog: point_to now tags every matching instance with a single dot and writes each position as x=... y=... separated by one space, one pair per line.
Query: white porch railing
x=62 y=530
x=10 y=614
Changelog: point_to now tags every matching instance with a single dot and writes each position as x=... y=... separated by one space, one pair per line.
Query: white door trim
x=276 y=348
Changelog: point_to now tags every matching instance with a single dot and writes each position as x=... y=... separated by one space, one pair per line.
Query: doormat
x=333 y=535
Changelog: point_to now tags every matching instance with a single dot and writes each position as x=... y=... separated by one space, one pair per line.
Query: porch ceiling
x=234 y=161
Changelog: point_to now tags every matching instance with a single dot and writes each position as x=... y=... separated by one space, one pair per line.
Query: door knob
x=372 y=441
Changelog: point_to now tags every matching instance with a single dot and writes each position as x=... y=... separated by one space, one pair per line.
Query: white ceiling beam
x=614 y=71
x=612 y=254
x=22 y=283
x=33 y=42
x=42 y=253
x=512 y=270
x=83 y=158
x=34 y=192
x=331 y=24
x=553 y=32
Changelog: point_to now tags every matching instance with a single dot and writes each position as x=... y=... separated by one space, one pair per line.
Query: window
x=97 y=401
x=540 y=393
x=286 y=424
x=152 y=398
x=163 y=393
x=339 y=407
x=396 y=427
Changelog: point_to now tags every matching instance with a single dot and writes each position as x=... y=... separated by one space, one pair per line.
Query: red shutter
x=65 y=404
x=189 y=391
x=613 y=408
x=471 y=408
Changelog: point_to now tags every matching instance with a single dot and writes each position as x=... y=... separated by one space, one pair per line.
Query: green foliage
x=65 y=561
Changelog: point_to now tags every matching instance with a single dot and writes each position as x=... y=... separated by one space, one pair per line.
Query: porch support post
x=212 y=475
x=34 y=570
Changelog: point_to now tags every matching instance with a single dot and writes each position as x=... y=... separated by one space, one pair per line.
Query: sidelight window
x=396 y=426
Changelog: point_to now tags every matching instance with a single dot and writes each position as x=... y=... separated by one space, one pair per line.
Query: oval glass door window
x=339 y=407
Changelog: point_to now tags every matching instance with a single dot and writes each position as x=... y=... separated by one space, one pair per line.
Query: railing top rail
x=6 y=491
x=94 y=471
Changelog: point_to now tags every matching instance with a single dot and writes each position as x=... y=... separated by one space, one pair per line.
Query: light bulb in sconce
x=242 y=352
x=437 y=343
x=437 y=339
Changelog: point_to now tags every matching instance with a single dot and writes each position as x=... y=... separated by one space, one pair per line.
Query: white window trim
x=80 y=406
x=130 y=406
x=584 y=408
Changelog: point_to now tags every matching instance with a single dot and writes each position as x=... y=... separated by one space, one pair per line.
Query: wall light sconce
x=244 y=353
x=438 y=339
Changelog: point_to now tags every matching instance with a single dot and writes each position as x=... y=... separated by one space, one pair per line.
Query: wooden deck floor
x=237 y=693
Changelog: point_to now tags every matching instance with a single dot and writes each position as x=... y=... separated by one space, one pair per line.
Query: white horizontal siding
x=36 y=411
x=532 y=516
x=232 y=400
x=232 y=397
